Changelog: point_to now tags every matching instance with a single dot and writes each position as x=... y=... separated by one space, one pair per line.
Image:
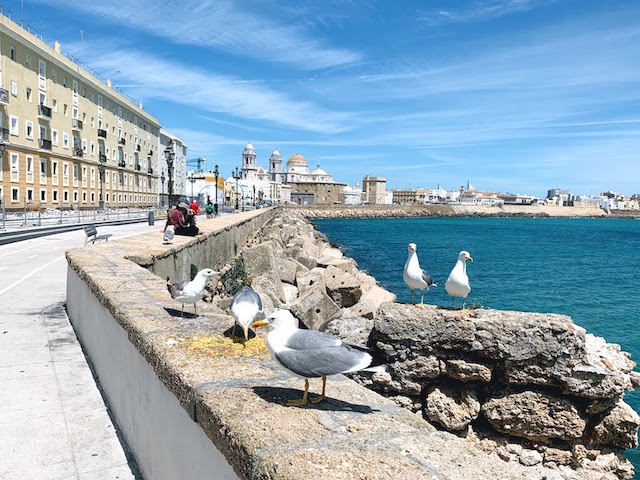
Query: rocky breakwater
x=534 y=390
x=535 y=387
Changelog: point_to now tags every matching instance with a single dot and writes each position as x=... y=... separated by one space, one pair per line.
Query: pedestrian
x=194 y=206
x=183 y=223
x=209 y=209
x=215 y=209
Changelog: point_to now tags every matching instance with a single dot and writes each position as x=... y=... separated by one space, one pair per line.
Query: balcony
x=76 y=124
x=102 y=133
x=122 y=164
x=78 y=152
x=45 y=144
x=150 y=169
x=150 y=153
x=4 y=134
x=138 y=167
x=44 y=112
x=102 y=157
x=4 y=96
x=138 y=148
x=122 y=141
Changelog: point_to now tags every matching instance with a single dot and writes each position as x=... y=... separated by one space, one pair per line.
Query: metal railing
x=32 y=216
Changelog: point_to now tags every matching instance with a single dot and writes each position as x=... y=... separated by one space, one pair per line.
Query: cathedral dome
x=297 y=159
x=319 y=171
x=249 y=149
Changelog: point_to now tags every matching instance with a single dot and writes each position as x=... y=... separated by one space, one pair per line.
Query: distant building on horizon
x=374 y=190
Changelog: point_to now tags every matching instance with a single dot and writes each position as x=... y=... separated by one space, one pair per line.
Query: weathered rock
x=310 y=280
x=452 y=409
x=342 y=287
x=269 y=283
x=468 y=371
x=370 y=302
x=530 y=457
x=259 y=259
x=315 y=308
x=290 y=293
x=558 y=456
x=618 y=427
x=287 y=269
x=352 y=330
x=535 y=416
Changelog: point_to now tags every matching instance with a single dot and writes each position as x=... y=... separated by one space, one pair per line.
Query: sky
x=515 y=96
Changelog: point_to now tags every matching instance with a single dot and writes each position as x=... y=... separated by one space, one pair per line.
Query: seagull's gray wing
x=310 y=339
x=176 y=289
x=249 y=295
x=427 y=278
x=322 y=361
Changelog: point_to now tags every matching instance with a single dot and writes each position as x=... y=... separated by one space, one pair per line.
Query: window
x=28 y=94
x=15 y=167
x=65 y=140
x=43 y=195
x=84 y=197
x=54 y=172
x=75 y=196
x=54 y=105
x=29 y=129
x=29 y=160
x=84 y=145
x=65 y=109
x=84 y=177
x=43 y=171
x=92 y=97
x=29 y=195
x=54 y=137
x=76 y=171
x=13 y=125
x=27 y=60
x=64 y=80
x=84 y=92
x=12 y=52
x=14 y=88
x=92 y=148
x=15 y=194
x=107 y=197
x=54 y=196
x=93 y=197
x=54 y=77
x=65 y=196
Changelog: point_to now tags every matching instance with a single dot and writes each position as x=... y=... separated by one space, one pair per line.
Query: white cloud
x=479 y=11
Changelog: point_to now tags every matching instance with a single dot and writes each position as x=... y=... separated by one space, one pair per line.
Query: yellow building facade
x=67 y=139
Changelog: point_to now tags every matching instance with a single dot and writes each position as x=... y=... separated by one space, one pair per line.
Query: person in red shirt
x=178 y=217
x=194 y=207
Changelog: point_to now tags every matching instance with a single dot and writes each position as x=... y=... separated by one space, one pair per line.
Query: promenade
x=53 y=420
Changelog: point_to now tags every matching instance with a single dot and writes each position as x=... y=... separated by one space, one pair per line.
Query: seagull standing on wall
x=309 y=353
x=169 y=233
x=457 y=284
x=190 y=292
x=414 y=276
x=246 y=307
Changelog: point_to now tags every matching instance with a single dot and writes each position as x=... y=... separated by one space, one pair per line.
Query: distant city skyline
x=517 y=96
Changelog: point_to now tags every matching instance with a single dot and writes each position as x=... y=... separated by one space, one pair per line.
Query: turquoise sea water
x=585 y=268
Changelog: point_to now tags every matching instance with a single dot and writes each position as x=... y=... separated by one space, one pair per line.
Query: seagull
x=246 y=307
x=457 y=284
x=414 y=276
x=169 y=233
x=190 y=292
x=309 y=353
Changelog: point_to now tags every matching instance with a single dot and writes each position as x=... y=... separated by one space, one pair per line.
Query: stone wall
x=189 y=400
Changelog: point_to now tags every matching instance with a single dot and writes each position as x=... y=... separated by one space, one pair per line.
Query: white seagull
x=457 y=284
x=169 y=233
x=190 y=292
x=415 y=277
x=309 y=353
x=246 y=307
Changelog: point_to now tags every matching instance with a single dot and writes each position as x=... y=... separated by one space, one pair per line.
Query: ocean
x=584 y=268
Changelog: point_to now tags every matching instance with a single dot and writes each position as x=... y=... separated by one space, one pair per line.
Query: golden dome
x=297 y=159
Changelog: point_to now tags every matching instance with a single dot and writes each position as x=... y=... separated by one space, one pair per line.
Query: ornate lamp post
x=102 y=163
x=216 y=174
x=192 y=179
x=254 y=196
x=162 y=179
x=170 y=156
x=236 y=176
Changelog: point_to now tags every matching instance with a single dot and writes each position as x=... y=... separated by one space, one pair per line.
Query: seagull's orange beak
x=469 y=258
x=260 y=323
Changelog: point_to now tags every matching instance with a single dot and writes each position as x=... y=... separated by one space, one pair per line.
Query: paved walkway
x=53 y=420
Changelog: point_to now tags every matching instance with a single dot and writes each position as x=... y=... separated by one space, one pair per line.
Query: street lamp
x=254 y=196
x=170 y=155
x=162 y=178
x=102 y=163
x=192 y=179
x=216 y=173
x=236 y=176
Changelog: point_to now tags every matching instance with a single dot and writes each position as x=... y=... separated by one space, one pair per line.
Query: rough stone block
x=342 y=287
x=453 y=409
x=315 y=308
x=618 y=427
x=259 y=259
x=370 y=301
x=468 y=371
x=287 y=269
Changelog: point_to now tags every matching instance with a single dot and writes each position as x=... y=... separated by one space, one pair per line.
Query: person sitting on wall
x=179 y=218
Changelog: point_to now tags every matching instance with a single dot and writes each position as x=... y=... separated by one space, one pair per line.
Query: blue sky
x=512 y=95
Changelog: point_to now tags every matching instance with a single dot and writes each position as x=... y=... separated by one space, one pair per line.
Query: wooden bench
x=92 y=234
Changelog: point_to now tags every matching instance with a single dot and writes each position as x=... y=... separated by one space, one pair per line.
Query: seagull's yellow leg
x=421 y=304
x=321 y=397
x=182 y=311
x=412 y=296
x=303 y=400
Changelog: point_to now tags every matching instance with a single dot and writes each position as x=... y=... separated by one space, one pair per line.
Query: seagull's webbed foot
x=303 y=400
x=321 y=397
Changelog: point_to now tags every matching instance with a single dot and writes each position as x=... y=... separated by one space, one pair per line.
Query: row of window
x=87 y=197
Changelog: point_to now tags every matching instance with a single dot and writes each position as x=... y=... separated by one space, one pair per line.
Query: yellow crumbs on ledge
x=217 y=346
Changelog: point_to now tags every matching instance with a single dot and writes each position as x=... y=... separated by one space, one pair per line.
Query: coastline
x=447 y=210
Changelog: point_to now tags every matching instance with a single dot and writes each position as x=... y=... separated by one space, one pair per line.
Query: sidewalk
x=53 y=420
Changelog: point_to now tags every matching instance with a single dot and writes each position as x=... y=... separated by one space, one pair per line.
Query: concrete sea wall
x=193 y=404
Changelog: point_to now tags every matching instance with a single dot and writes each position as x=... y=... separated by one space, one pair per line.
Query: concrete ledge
x=190 y=411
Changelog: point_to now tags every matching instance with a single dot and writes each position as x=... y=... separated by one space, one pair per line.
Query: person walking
x=194 y=206
x=209 y=209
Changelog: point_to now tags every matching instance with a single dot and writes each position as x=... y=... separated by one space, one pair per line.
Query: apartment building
x=67 y=139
